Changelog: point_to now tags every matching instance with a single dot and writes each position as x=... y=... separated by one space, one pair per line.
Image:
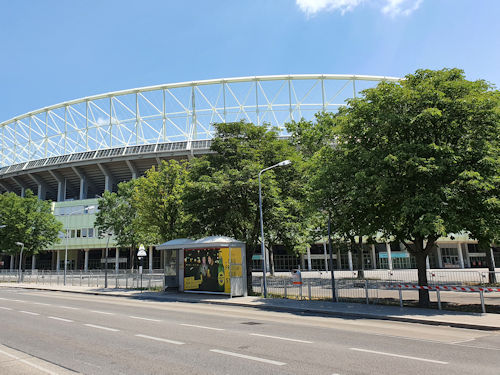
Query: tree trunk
x=423 y=294
x=361 y=263
x=271 y=259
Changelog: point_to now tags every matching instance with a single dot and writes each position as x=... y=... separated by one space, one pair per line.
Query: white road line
x=102 y=312
x=140 y=317
x=160 y=339
x=101 y=327
x=28 y=312
x=258 y=359
x=5 y=308
x=61 y=319
x=47 y=371
x=41 y=303
x=282 y=338
x=204 y=327
x=400 y=356
x=68 y=307
x=462 y=341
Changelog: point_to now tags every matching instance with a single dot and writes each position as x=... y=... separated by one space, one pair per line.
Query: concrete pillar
x=151 y=259
x=42 y=191
x=23 y=192
x=33 y=262
x=439 y=257
x=349 y=259
x=58 y=261
x=12 y=262
x=460 y=256
x=374 y=257
x=84 y=188
x=465 y=248
x=86 y=260
x=389 y=254
x=108 y=177
x=326 y=256
x=117 y=257
x=309 y=265
x=162 y=259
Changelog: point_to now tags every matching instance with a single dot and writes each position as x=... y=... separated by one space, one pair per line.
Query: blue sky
x=52 y=51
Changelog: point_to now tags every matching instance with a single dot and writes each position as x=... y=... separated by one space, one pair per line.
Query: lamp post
x=108 y=234
x=264 y=266
x=140 y=255
x=20 y=260
x=66 y=249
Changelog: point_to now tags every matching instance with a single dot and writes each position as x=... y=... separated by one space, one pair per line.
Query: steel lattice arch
x=100 y=140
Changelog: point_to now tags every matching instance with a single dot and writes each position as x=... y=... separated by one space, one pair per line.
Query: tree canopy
x=28 y=220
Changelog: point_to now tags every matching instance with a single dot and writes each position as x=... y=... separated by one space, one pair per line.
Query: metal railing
x=122 y=279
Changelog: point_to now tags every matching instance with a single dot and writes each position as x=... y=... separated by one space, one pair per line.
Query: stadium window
x=78 y=233
x=91 y=232
x=73 y=233
x=84 y=232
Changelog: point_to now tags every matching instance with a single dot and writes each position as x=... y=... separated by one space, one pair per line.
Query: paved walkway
x=352 y=310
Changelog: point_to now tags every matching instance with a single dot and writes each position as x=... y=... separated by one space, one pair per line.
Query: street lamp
x=264 y=266
x=66 y=250
x=108 y=234
x=20 y=260
x=140 y=255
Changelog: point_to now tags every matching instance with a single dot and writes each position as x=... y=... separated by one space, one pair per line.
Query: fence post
x=285 y=288
x=481 y=296
x=438 y=295
x=309 y=288
x=400 y=297
x=366 y=292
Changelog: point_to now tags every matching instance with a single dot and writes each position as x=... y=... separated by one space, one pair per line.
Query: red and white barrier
x=441 y=287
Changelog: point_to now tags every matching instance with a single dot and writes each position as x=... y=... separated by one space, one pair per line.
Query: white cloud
x=391 y=8
x=311 y=7
x=395 y=8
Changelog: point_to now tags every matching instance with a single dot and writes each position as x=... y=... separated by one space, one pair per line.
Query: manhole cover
x=251 y=323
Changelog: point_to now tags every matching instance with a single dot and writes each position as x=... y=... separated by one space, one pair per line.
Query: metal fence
x=391 y=287
x=123 y=279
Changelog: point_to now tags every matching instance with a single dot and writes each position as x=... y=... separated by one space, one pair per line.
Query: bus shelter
x=214 y=264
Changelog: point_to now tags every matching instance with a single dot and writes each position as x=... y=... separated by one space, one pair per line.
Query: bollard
x=481 y=296
x=366 y=293
x=438 y=295
x=309 y=288
x=400 y=297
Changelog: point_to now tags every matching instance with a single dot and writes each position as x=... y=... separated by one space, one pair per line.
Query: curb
x=305 y=311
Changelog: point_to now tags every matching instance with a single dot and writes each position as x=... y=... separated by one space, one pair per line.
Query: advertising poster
x=206 y=270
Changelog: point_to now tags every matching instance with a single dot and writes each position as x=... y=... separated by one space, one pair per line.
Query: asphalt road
x=62 y=333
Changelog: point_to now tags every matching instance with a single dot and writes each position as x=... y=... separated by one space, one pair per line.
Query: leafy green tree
x=117 y=215
x=157 y=198
x=28 y=220
x=334 y=187
x=222 y=192
x=429 y=147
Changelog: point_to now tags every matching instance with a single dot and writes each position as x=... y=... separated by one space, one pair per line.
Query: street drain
x=251 y=323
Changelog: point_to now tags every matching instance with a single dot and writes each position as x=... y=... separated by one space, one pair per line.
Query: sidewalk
x=343 y=310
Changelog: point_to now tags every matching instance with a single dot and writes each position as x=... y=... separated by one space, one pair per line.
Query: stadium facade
x=72 y=152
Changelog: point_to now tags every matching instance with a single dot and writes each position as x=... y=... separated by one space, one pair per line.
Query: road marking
x=101 y=327
x=160 y=339
x=258 y=359
x=28 y=312
x=400 y=356
x=61 y=319
x=462 y=341
x=47 y=371
x=281 y=338
x=41 y=303
x=5 y=308
x=68 y=307
x=102 y=312
x=204 y=327
x=140 y=317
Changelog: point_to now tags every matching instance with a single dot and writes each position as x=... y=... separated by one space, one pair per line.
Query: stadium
x=72 y=152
